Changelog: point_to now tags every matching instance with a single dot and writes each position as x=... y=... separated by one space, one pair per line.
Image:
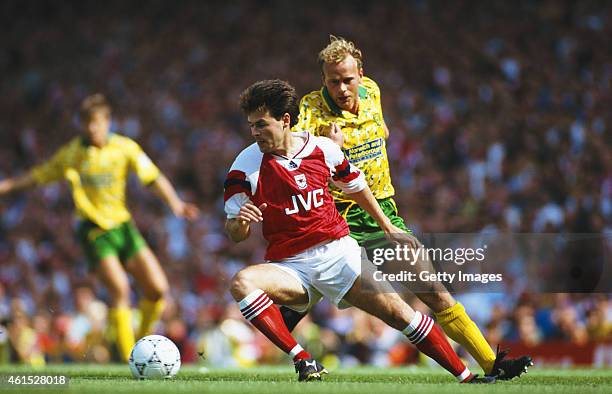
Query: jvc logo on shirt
x=313 y=199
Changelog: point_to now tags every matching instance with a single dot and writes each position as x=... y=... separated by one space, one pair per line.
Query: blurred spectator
x=23 y=338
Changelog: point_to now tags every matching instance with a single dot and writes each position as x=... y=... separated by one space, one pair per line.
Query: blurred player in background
x=96 y=165
x=282 y=181
x=348 y=110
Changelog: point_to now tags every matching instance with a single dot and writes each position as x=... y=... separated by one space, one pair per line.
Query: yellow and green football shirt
x=364 y=134
x=98 y=176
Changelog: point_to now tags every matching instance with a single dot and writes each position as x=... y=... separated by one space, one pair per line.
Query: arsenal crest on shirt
x=300 y=180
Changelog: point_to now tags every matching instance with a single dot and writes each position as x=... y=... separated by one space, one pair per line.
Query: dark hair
x=92 y=104
x=276 y=96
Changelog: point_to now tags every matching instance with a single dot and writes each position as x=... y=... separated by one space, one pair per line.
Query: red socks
x=259 y=309
x=429 y=339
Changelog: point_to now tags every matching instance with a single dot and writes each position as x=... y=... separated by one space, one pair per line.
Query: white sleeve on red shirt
x=234 y=203
x=241 y=181
x=344 y=175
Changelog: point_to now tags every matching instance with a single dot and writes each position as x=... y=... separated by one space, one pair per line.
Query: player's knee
x=157 y=292
x=119 y=293
x=241 y=285
x=163 y=288
x=160 y=288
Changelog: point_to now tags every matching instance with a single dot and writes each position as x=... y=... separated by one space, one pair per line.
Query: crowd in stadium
x=499 y=119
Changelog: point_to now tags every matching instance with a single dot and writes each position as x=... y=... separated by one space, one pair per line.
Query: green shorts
x=364 y=228
x=123 y=241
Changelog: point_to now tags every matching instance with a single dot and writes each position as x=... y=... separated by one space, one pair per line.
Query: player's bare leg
x=420 y=329
x=438 y=301
x=115 y=279
x=149 y=275
x=388 y=307
x=280 y=286
x=256 y=289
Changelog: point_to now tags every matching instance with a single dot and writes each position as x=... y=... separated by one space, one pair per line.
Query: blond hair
x=93 y=103
x=337 y=50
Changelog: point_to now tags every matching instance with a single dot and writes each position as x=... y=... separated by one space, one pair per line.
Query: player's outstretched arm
x=16 y=183
x=239 y=228
x=180 y=208
x=366 y=200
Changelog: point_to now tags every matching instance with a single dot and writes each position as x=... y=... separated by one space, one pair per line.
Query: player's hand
x=251 y=213
x=401 y=237
x=187 y=211
x=12 y=184
x=335 y=134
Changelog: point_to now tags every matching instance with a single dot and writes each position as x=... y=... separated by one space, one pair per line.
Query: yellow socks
x=150 y=311
x=461 y=329
x=121 y=320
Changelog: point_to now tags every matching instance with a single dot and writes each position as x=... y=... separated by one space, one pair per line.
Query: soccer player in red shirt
x=281 y=180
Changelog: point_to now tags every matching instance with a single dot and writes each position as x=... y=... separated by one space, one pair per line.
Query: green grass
x=117 y=379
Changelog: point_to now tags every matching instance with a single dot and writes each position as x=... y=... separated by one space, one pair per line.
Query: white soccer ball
x=154 y=357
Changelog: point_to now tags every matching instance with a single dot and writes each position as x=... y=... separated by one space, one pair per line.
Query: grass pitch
x=191 y=379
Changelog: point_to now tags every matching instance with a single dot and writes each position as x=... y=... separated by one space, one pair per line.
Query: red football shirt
x=301 y=211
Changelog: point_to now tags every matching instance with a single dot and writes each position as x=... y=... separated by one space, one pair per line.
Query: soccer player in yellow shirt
x=348 y=110
x=96 y=165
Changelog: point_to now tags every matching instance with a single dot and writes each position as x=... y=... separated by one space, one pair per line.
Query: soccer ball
x=154 y=357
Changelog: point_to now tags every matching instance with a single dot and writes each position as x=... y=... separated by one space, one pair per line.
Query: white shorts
x=328 y=270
